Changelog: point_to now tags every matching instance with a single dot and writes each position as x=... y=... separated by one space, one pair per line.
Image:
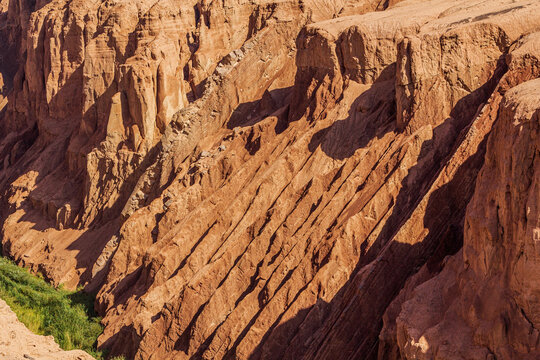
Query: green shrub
x=66 y=315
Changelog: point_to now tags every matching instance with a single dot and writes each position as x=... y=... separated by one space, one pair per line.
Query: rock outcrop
x=484 y=304
x=279 y=179
x=465 y=324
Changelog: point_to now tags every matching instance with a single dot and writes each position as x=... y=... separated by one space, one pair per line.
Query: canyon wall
x=279 y=179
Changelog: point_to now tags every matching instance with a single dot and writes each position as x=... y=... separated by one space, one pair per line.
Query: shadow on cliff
x=116 y=344
x=371 y=115
x=250 y=113
x=57 y=185
x=348 y=326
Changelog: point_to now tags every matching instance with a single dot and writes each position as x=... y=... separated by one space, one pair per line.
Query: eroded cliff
x=277 y=179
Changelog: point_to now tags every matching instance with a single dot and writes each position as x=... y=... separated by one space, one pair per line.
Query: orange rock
x=485 y=302
x=274 y=179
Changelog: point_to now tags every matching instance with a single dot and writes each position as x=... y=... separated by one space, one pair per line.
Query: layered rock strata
x=484 y=304
x=272 y=179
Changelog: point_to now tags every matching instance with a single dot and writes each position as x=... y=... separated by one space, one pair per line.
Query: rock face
x=484 y=304
x=279 y=179
x=17 y=342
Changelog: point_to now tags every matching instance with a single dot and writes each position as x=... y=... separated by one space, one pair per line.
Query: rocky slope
x=279 y=179
x=17 y=342
x=484 y=304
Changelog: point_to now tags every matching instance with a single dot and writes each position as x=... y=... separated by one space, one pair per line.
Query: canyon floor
x=280 y=179
x=19 y=343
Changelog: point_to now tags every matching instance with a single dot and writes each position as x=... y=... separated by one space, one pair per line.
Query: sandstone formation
x=18 y=343
x=484 y=304
x=474 y=307
x=279 y=179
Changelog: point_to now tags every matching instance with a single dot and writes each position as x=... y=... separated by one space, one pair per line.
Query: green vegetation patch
x=66 y=315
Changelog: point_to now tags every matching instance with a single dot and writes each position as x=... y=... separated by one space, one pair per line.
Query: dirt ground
x=19 y=343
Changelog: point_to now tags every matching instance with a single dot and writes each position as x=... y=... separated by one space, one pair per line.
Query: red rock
x=275 y=179
x=488 y=293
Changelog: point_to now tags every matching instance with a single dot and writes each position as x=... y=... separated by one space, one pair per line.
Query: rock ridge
x=279 y=179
